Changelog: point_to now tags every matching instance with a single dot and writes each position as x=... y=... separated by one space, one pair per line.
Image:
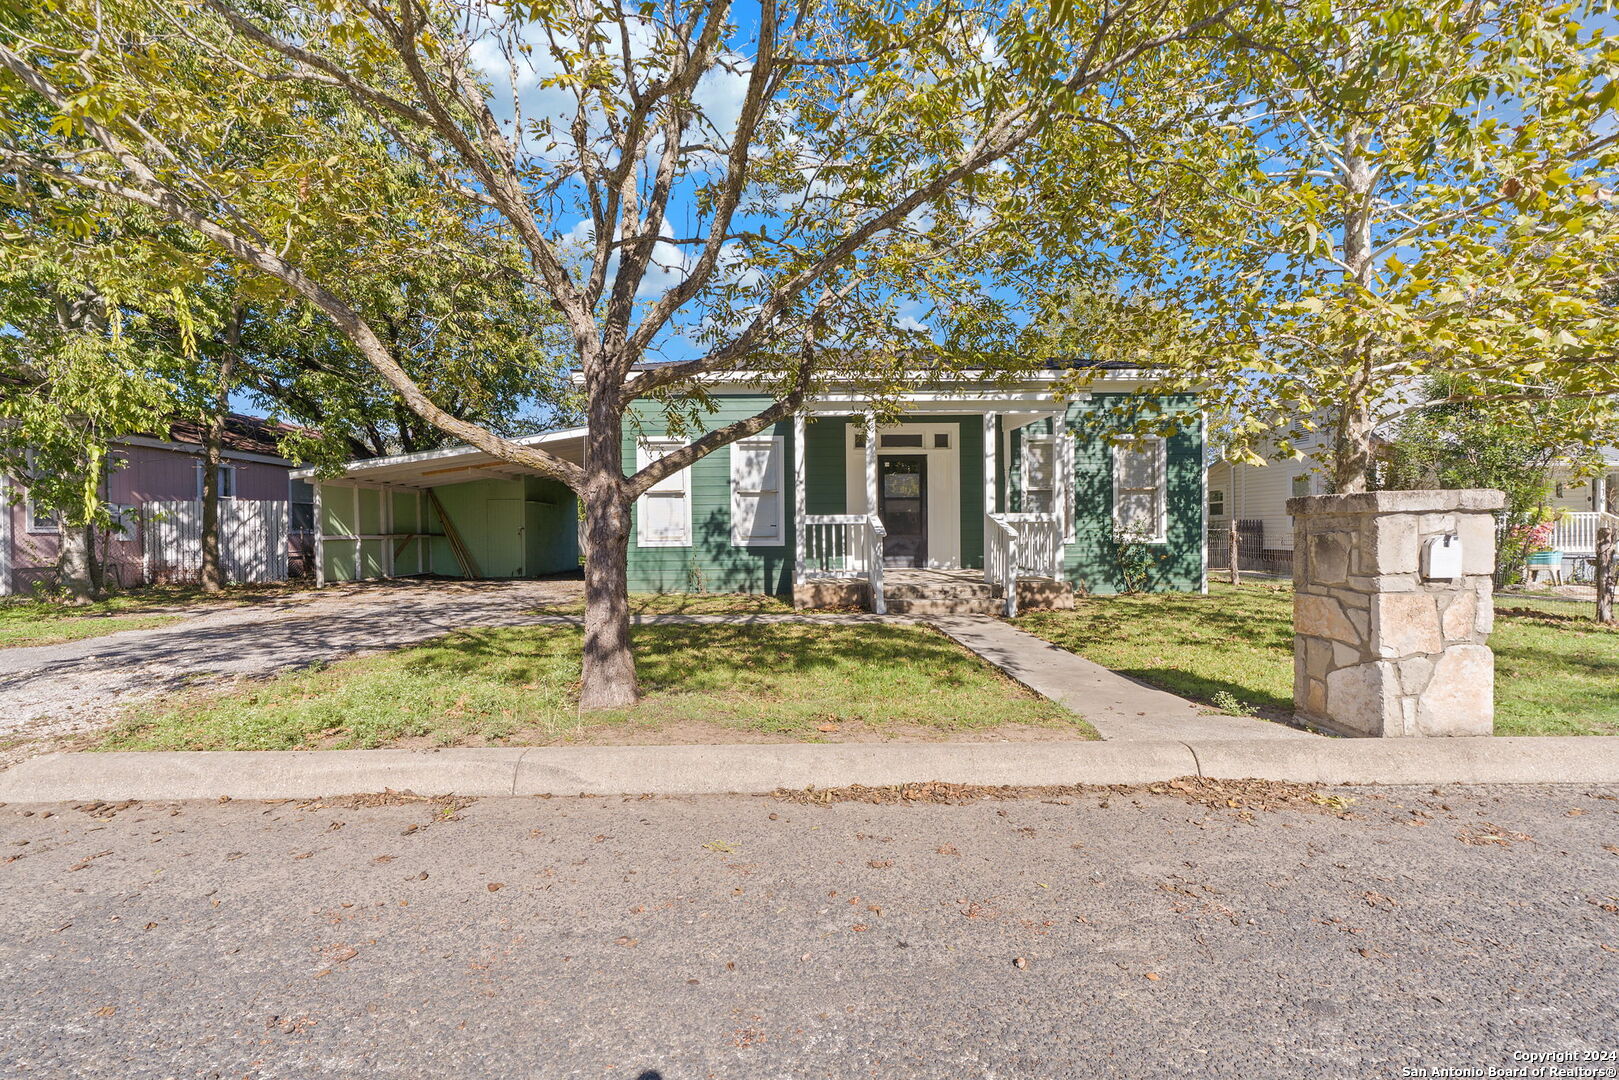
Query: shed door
x=504 y=540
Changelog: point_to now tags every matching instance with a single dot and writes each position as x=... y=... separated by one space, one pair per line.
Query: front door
x=902 y=503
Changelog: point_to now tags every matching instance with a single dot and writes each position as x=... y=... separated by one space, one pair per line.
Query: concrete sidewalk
x=1117 y=706
x=691 y=770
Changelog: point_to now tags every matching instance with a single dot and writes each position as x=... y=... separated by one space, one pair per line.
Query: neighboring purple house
x=146 y=470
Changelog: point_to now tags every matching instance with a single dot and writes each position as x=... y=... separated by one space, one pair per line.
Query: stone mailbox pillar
x=1389 y=641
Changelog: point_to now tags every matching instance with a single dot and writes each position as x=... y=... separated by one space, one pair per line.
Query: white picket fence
x=252 y=540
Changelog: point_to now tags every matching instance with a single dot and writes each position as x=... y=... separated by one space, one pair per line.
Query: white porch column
x=798 y=498
x=1599 y=492
x=386 y=512
x=359 y=544
x=871 y=462
x=421 y=537
x=991 y=470
x=320 y=539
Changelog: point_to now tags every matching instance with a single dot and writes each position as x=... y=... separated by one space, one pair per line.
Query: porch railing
x=845 y=546
x=1021 y=545
x=1576 y=533
x=1001 y=558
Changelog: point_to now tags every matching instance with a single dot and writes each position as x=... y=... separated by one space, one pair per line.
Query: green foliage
x=1135 y=558
x=1405 y=191
x=1470 y=445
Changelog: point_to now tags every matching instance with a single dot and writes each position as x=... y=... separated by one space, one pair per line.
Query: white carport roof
x=451 y=465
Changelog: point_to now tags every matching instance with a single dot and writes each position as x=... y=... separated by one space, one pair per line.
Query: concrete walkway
x=1120 y=708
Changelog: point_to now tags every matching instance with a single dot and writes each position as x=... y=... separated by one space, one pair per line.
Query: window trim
x=646 y=451
x=1213 y=494
x=29 y=510
x=1160 y=490
x=224 y=469
x=776 y=448
x=1054 y=491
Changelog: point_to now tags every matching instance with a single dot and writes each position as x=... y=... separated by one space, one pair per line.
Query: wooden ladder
x=469 y=565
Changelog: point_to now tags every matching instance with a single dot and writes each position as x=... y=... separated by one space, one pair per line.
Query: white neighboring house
x=1584 y=500
x=1260 y=492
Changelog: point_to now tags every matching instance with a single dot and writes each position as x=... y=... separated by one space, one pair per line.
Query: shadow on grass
x=712 y=657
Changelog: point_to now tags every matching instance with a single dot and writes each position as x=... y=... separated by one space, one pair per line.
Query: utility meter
x=1442 y=557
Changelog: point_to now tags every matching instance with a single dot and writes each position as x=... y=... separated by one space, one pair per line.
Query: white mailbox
x=1442 y=557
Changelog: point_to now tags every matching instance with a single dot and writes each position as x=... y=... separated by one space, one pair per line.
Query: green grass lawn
x=519 y=685
x=32 y=622
x=1555 y=674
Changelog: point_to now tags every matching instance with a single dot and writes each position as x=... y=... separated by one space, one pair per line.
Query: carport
x=456 y=512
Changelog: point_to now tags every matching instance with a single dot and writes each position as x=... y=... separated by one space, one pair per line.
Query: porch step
x=983 y=605
x=953 y=590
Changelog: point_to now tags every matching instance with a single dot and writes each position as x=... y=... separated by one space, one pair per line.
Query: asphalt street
x=1090 y=934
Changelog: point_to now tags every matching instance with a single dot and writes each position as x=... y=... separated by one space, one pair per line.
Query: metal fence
x=1253 y=557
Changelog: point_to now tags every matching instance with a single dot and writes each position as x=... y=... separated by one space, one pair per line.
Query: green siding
x=826 y=455
x=712 y=563
x=550 y=526
x=1090 y=561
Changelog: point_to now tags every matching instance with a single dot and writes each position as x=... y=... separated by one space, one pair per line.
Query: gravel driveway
x=54 y=691
x=725 y=937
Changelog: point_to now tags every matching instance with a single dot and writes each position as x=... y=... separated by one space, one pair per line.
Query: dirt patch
x=1245 y=796
x=700 y=733
x=445 y=807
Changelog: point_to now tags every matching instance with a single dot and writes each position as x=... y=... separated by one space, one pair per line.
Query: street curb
x=697 y=770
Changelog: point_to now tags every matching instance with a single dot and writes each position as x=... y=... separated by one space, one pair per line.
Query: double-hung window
x=757 y=507
x=41 y=519
x=227 y=481
x=1039 y=474
x=1139 y=506
x=663 y=517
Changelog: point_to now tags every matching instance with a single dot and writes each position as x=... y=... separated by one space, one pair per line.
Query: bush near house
x=1555 y=674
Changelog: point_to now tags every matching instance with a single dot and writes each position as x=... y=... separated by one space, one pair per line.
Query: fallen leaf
x=627 y=942
x=495 y=886
x=106 y=1010
x=1153 y=975
x=880 y=864
x=1021 y=963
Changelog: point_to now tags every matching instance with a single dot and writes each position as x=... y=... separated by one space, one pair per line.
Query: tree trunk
x=1235 y=542
x=1352 y=446
x=608 y=665
x=74 y=575
x=213 y=450
x=1607 y=572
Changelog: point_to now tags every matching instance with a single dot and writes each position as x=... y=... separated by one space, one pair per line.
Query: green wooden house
x=984 y=495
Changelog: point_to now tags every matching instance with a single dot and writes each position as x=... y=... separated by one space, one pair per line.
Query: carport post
x=320 y=540
x=386 y=513
x=359 y=541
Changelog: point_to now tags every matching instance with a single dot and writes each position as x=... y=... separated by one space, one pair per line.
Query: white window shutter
x=663 y=514
x=757 y=510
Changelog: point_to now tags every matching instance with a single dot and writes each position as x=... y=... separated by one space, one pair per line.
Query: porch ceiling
x=452 y=465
